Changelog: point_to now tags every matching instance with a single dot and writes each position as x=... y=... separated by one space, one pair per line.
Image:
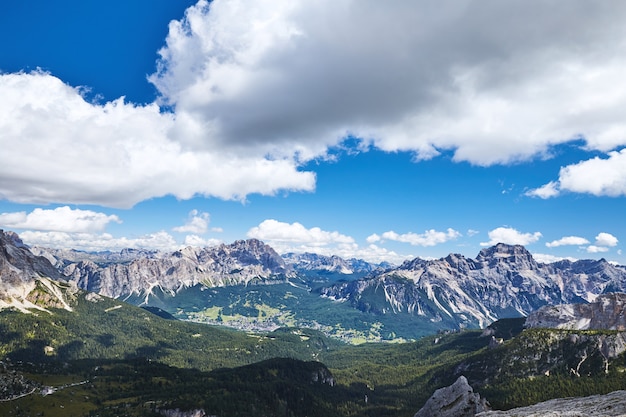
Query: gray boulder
x=457 y=400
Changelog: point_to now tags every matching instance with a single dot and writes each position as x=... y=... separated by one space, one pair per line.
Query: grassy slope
x=135 y=362
x=289 y=305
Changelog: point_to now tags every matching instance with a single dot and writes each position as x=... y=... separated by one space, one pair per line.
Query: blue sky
x=366 y=129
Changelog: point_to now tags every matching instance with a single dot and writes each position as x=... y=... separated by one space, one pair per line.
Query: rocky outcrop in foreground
x=457 y=400
x=609 y=405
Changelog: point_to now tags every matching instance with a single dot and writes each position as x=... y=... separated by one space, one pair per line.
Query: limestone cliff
x=607 y=312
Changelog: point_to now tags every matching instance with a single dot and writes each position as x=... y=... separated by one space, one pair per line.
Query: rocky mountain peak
x=255 y=252
x=241 y=262
x=315 y=262
x=503 y=281
x=26 y=280
x=504 y=251
x=13 y=238
x=507 y=255
x=17 y=262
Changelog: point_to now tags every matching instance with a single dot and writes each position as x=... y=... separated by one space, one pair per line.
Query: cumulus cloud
x=197 y=241
x=511 y=236
x=606 y=239
x=597 y=249
x=549 y=190
x=197 y=223
x=275 y=231
x=64 y=227
x=60 y=219
x=597 y=176
x=57 y=147
x=373 y=238
x=548 y=259
x=567 y=240
x=258 y=87
x=428 y=238
x=98 y=242
x=308 y=72
x=294 y=237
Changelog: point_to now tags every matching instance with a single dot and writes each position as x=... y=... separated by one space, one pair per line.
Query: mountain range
x=503 y=281
x=425 y=295
x=29 y=281
x=90 y=354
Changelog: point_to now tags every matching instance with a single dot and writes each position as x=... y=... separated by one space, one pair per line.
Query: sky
x=377 y=130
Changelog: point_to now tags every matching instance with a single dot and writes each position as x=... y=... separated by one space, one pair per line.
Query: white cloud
x=597 y=176
x=373 y=238
x=371 y=253
x=294 y=237
x=546 y=191
x=60 y=219
x=279 y=232
x=548 y=259
x=597 y=249
x=99 y=242
x=428 y=238
x=197 y=223
x=606 y=239
x=258 y=87
x=285 y=76
x=57 y=147
x=511 y=236
x=199 y=242
x=567 y=240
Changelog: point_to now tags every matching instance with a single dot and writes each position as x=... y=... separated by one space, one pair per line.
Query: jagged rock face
x=180 y=413
x=503 y=281
x=60 y=258
x=18 y=264
x=609 y=405
x=26 y=280
x=242 y=262
x=543 y=352
x=607 y=312
x=457 y=400
x=322 y=376
x=315 y=262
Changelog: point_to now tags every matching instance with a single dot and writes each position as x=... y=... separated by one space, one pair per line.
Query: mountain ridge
x=503 y=281
x=239 y=263
x=28 y=281
x=452 y=292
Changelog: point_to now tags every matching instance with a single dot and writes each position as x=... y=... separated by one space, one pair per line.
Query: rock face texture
x=29 y=281
x=607 y=312
x=243 y=262
x=18 y=264
x=331 y=264
x=457 y=400
x=179 y=413
x=448 y=293
x=610 y=405
x=503 y=281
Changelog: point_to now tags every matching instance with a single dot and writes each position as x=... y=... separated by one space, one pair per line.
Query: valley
x=285 y=344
